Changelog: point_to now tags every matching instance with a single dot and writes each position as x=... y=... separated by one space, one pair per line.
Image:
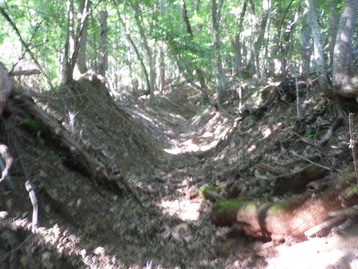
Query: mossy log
x=289 y=218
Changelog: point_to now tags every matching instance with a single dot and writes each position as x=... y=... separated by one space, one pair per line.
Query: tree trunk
x=216 y=17
x=260 y=36
x=237 y=43
x=285 y=44
x=305 y=45
x=198 y=71
x=319 y=56
x=150 y=56
x=69 y=64
x=345 y=78
x=81 y=66
x=103 y=56
x=5 y=88
x=161 y=56
x=66 y=54
x=333 y=27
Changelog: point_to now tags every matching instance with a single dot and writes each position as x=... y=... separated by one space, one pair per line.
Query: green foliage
x=353 y=189
x=312 y=169
x=266 y=195
x=43 y=25
x=25 y=214
x=227 y=204
x=31 y=125
x=310 y=132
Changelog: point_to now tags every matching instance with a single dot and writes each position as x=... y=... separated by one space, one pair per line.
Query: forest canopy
x=144 y=45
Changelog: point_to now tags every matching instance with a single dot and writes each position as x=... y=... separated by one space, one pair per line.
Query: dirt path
x=158 y=221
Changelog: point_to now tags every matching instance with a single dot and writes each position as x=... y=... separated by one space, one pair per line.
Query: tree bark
x=69 y=63
x=237 y=42
x=305 y=45
x=333 y=28
x=161 y=56
x=103 y=56
x=81 y=66
x=216 y=17
x=345 y=78
x=5 y=89
x=289 y=218
x=321 y=68
x=260 y=37
x=149 y=53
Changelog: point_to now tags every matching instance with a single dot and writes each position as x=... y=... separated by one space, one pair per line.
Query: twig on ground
x=317 y=164
x=350 y=211
x=324 y=225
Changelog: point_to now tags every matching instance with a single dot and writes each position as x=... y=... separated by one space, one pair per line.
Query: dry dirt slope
x=154 y=220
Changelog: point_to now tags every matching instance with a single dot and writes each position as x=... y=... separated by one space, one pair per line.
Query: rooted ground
x=162 y=151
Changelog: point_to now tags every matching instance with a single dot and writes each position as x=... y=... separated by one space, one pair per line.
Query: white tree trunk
x=345 y=79
x=320 y=62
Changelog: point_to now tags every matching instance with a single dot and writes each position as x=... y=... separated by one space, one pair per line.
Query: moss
x=30 y=125
x=251 y=206
x=226 y=204
x=312 y=169
x=203 y=190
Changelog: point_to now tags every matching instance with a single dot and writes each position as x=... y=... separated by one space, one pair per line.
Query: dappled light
x=178 y=134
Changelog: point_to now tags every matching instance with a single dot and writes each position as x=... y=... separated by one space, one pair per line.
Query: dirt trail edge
x=118 y=183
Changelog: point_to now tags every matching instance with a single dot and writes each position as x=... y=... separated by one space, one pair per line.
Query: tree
x=198 y=71
x=81 y=65
x=216 y=17
x=320 y=62
x=103 y=55
x=345 y=78
x=70 y=62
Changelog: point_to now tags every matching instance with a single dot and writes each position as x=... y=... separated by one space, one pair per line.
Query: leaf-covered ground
x=163 y=151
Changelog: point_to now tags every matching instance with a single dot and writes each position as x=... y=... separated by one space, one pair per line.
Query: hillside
x=117 y=182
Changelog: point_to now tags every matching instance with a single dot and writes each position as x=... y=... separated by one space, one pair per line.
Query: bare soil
x=163 y=151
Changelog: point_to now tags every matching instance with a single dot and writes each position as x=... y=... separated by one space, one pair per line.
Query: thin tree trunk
x=198 y=71
x=305 y=45
x=216 y=17
x=161 y=55
x=81 y=66
x=66 y=54
x=149 y=56
x=141 y=61
x=260 y=37
x=321 y=68
x=103 y=56
x=77 y=41
x=237 y=42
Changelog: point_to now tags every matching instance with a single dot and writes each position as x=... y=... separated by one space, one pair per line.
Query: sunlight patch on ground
x=315 y=253
x=204 y=142
x=183 y=209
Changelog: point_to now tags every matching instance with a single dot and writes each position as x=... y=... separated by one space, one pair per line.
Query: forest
x=179 y=134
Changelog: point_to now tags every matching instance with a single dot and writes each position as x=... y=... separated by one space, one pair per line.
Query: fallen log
x=288 y=218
